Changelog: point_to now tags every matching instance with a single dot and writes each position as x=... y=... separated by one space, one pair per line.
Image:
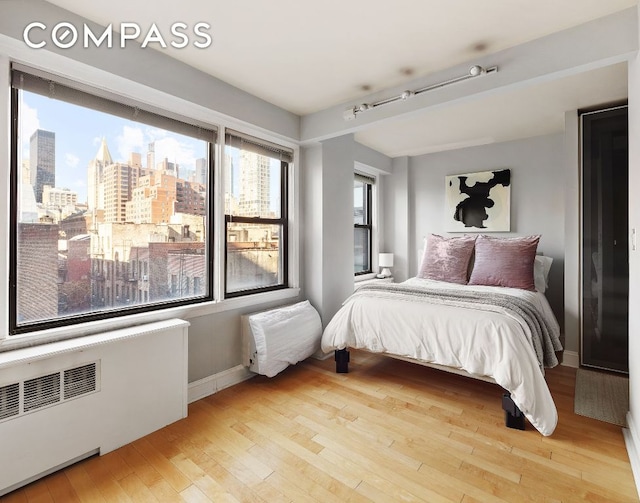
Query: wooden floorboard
x=387 y=431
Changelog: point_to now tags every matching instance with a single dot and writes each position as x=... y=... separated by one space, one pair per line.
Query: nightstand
x=358 y=284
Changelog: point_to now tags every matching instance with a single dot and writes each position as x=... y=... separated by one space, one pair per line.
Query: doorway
x=605 y=252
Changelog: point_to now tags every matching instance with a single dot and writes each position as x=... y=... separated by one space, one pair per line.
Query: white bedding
x=490 y=342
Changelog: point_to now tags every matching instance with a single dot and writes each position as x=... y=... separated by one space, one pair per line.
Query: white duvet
x=493 y=342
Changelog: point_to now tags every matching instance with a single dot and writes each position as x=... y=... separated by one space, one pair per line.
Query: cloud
x=29 y=121
x=176 y=151
x=71 y=160
x=156 y=134
x=131 y=140
x=167 y=145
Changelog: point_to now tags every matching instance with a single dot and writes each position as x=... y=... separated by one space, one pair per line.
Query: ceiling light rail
x=474 y=71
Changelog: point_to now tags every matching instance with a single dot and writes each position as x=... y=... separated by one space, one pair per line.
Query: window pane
x=110 y=213
x=254 y=258
x=254 y=193
x=359 y=201
x=252 y=184
x=362 y=254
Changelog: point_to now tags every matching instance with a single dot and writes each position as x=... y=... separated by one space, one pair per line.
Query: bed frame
x=513 y=416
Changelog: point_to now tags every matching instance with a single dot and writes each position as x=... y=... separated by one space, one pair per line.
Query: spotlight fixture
x=474 y=71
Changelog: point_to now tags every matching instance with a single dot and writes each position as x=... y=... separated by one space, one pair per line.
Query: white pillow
x=541 y=267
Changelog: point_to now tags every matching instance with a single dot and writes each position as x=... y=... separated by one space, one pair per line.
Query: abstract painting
x=478 y=201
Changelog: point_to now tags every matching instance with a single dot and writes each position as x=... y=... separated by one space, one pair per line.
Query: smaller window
x=362 y=209
x=256 y=220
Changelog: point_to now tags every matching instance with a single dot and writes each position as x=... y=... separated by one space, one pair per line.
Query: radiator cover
x=67 y=400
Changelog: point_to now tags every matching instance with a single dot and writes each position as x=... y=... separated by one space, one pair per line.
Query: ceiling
x=308 y=56
x=524 y=112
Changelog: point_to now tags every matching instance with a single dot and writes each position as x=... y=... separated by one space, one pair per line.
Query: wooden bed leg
x=513 y=416
x=342 y=361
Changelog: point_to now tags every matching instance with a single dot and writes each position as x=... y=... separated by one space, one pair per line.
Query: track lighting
x=474 y=71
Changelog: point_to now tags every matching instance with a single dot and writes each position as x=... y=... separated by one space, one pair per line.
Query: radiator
x=65 y=401
x=277 y=338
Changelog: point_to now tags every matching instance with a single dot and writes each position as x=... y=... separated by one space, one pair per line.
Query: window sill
x=9 y=343
x=364 y=277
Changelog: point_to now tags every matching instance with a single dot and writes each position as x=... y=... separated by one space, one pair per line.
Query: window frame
x=121 y=102
x=282 y=221
x=199 y=108
x=368 y=224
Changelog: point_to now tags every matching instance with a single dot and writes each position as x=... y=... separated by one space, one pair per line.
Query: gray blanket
x=544 y=333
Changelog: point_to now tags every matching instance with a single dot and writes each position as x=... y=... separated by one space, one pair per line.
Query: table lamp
x=385 y=261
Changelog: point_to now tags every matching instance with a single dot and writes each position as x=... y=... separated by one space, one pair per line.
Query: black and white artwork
x=478 y=201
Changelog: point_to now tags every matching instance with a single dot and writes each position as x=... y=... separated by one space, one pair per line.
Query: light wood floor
x=387 y=431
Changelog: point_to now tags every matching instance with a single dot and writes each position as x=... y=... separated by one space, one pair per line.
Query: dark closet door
x=605 y=257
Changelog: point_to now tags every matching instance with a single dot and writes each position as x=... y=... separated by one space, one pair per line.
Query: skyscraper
x=202 y=171
x=151 y=156
x=42 y=161
x=95 y=177
x=255 y=185
x=168 y=168
x=119 y=182
x=230 y=184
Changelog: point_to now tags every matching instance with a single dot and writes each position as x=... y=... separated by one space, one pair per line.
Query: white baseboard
x=217 y=382
x=631 y=440
x=571 y=359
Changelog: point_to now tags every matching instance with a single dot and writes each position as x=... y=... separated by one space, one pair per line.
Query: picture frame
x=478 y=201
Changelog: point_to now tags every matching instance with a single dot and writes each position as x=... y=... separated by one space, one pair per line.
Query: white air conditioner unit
x=145 y=277
x=277 y=338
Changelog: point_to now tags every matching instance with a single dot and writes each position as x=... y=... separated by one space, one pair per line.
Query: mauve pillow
x=505 y=262
x=447 y=259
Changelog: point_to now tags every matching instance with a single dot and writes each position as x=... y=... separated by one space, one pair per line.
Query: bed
x=504 y=334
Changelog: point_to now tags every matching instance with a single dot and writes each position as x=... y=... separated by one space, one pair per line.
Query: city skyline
x=76 y=146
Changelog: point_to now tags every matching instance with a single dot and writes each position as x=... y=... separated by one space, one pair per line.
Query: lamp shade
x=385 y=260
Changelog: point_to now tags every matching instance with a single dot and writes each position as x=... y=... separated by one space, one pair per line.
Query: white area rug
x=602 y=396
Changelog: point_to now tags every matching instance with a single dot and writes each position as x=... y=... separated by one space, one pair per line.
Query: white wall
x=633 y=440
x=327 y=213
x=396 y=218
x=537 y=198
x=572 y=234
x=327 y=181
x=313 y=236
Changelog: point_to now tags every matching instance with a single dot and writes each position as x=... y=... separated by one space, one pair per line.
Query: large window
x=110 y=206
x=255 y=203
x=362 y=217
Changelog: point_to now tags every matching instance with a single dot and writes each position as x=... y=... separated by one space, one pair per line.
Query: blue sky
x=79 y=132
